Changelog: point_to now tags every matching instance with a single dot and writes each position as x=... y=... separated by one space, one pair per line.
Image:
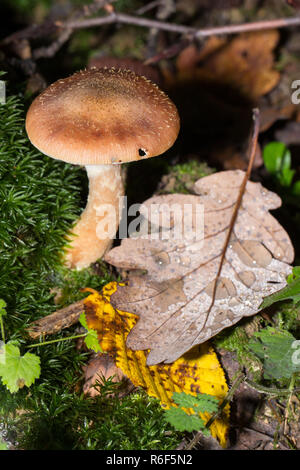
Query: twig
x=58 y=320
x=237 y=206
x=169 y=52
x=150 y=6
x=270 y=391
x=86 y=10
x=48 y=27
x=181 y=29
x=51 y=50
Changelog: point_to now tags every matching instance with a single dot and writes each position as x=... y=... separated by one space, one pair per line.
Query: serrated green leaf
x=91 y=339
x=200 y=403
x=184 y=422
x=82 y=321
x=92 y=342
x=279 y=351
x=16 y=370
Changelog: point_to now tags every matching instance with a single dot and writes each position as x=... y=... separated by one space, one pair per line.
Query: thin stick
x=253 y=146
x=270 y=391
x=176 y=28
x=46 y=28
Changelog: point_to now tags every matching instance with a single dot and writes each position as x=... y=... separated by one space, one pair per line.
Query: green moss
x=236 y=339
x=287 y=318
x=70 y=421
x=181 y=178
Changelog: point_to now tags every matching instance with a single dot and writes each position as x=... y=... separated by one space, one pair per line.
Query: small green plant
x=186 y=416
x=16 y=370
x=279 y=351
x=277 y=160
x=90 y=337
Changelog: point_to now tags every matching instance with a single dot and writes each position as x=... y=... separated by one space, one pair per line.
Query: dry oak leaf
x=245 y=63
x=198 y=371
x=175 y=299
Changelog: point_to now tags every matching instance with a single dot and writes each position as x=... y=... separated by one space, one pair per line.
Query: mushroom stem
x=99 y=221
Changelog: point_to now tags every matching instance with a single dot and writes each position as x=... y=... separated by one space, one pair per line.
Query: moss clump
x=236 y=340
x=181 y=178
x=72 y=421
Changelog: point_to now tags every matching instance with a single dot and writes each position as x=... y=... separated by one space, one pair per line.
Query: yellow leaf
x=197 y=371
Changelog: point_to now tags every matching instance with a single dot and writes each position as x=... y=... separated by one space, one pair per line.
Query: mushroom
x=101 y=118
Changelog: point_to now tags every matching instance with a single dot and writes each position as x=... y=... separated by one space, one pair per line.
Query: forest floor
x=215 y=81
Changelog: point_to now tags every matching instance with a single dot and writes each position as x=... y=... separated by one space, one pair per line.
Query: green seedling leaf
x=277 y=160
x=291 y=291
x=91 y=339
x=279 y=351
x=16 y=370
x=184 y=422
x=200 y=403
x=273 y=156
x=286 y=177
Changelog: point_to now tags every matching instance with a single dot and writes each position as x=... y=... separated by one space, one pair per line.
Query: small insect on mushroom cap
x=102 y=116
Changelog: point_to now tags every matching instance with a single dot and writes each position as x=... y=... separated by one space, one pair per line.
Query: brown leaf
x=245 y=63
x=99 y=367
x=174 y=298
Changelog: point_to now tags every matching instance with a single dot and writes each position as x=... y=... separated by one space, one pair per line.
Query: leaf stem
x=2 y=328
x=287 y=411
x=55 y=341
x=269 y=391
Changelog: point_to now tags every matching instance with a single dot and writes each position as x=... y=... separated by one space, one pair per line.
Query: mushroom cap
x=102 y=116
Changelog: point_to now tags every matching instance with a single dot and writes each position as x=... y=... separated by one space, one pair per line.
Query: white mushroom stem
x=100 y=219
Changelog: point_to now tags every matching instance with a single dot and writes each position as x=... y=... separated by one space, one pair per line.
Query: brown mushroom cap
x=102 y=116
